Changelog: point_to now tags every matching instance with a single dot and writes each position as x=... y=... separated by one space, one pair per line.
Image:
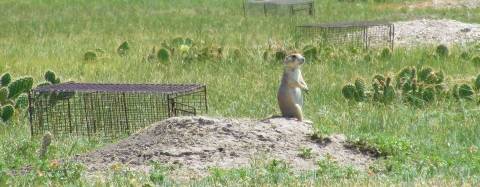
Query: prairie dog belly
x=288 y=98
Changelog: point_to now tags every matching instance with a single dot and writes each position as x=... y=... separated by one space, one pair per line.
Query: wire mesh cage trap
x=110 y=110
x=365 y=34
x=278 y=7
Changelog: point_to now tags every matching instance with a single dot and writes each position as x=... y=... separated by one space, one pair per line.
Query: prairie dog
x=289 y=95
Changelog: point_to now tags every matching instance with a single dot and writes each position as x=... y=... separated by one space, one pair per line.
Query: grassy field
x=436 y=144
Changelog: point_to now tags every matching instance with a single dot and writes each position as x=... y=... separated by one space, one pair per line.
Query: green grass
x=431 y=145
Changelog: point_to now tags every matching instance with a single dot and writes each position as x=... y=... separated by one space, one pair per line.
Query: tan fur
x=289 y=95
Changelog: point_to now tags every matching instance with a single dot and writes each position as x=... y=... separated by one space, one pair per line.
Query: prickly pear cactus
x=5 y=79
x=280 y=55
x=188 y=42
x=51 y=77
x=477 y=82
x=266 y=55
x=476 y=61
x=465 y=92
x=22 y=101
x=388 y=92
x=176 y=42
x=163 y=55
x=386 y=53
x=440 y=77
x=377 y=96
x=429 y=94
x=19 y=86
x=403 y=76
x=379 y=78
x=360 y=87
x=424 y=73
x=349 y=91
x=7 y=112
x=3 y=95
x=123 y=49
x=442 y=50
x=90 y=56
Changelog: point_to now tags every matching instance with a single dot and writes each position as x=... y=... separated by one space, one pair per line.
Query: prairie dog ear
x=288 y=59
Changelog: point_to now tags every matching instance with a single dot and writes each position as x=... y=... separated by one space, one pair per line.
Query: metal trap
x=278 y=7
x=365 y=34
x=110 y=110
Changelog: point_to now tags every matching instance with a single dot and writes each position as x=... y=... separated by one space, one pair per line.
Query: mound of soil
x=445 y=4
x=430 y=31
x=197 y=143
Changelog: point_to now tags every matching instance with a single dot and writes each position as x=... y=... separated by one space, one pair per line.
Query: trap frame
x=276 y=6
x=365 y=34
x=110 y=110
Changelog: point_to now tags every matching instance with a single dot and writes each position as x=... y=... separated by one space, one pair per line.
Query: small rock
x=466 y=30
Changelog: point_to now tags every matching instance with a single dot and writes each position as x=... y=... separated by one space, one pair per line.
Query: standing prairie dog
x=289 y=95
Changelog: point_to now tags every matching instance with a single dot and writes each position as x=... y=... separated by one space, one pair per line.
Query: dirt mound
x=445 y=4
x=430 y=31
x=196 y=143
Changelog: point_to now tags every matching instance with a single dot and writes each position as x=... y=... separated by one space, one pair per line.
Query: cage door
x=180 y=109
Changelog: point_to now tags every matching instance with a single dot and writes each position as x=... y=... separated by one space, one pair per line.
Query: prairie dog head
x=294 y=61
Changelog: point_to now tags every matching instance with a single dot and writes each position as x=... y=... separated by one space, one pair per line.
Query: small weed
x=306 y=153
x=380 y=146
x=158 y=173
x=328 y=169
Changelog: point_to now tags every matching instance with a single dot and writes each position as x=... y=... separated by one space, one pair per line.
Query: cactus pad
x=388 y=94
x=442 y=50
x=7 y=112
x=360 y=87
x=405 y=74
x=3 y=95
x=90 y=56
x=22 y=101
x=5 y=79
x=465 y=91
x=163 y=55
x=19 y=86
x=476 y=61
x=424 y=73
x=122 y=50
x=477 y=82
x=379 y=78
x=349 y=91
x=280 y=55
x=386 y=53
x=429 y=94
x=51 y=77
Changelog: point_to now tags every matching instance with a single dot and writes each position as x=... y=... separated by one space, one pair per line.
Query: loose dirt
x=431 y=31
x=197 y=143
x=446 y=4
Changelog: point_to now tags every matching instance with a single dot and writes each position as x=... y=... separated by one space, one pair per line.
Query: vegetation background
x=436 y=144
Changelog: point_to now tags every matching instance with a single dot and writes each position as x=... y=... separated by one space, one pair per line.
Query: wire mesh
x=359 y=34
x=278 y=7
x=110 y=110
